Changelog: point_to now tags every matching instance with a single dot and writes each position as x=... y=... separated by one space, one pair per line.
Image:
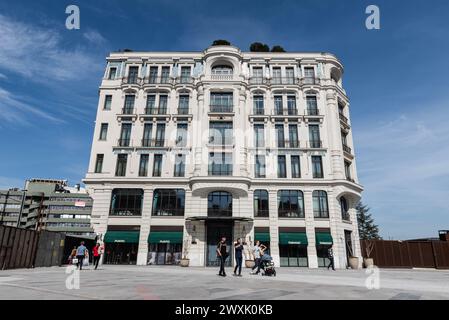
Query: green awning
x=165 y=237
x=121 y=237
x=262 y=236
x=293 y=238
x=323 y=239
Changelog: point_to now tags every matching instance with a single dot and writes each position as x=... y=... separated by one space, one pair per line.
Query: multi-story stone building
x=192 y=146
x=47 y=204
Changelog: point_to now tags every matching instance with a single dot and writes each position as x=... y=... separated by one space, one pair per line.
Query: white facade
x=223 y=85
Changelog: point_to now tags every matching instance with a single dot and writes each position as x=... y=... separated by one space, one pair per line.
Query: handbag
x=86 y=262
x=74 y=260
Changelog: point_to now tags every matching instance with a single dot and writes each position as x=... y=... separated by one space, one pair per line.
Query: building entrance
x=215 y=231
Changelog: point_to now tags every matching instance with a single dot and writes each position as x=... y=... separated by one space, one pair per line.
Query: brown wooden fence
x=21 y=248
x=408 y=254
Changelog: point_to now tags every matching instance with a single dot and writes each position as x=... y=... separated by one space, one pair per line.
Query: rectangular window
x=278 y=107
x=257 y=77
x=99 y=163
x=151 y=104
x=120 y=170
x=290 y=75
x=126 y=202
x=163 y=104
x=128 y=108
x=290 y=204
x=185 y=74
x=165 y=74
x=104 y=131
x=291 y=106
x=133 y=74
x=153 y=74
x=107 y=102
x=309 y=72
x=258 y=105
x=112 y=73
x=317 y=167
x=260 y=166
x=348 y=170
x=168 y=202
x=312 y=106
x=220 y=133
x=277 y=75
x=160 y=135
x=143 y=166
x=183 y=107
x=296 y=167
x=259 y=135
x=293 y=136
x=221 y=102
x=147 y=132
x=157 y=167
x=279 y=128
x=282 y=170
x=314 y=136
x=261 y=208
x=220 y=164
x=125 y=135
x=180 y=164
x=181 y=135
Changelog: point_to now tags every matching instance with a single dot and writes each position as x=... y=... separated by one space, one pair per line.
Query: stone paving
x=170 y=282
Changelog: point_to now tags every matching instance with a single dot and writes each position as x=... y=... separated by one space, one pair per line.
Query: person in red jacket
x=97 y=254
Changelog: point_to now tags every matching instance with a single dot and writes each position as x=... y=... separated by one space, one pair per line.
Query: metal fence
x=22 y=248
x=408 y=254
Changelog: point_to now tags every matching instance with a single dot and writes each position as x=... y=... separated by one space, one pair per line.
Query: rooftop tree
x=277 y=49
x=221 y=42
x=259 y=47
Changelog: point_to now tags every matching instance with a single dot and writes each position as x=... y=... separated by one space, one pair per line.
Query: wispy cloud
x=37 y=53
x=95 y=37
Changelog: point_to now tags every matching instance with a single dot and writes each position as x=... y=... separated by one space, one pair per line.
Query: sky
x=395 y=77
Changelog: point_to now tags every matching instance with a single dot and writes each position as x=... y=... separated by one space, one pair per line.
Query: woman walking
x=238 y=247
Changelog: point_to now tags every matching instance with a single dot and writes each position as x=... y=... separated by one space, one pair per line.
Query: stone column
x=100 y=211
x=334 y=134
x=336 y=231
x=310 y=230
x=142 y=253
x=274 y=226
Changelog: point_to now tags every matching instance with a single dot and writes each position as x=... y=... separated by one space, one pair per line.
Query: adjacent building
x=192 y=146
x=47 y=204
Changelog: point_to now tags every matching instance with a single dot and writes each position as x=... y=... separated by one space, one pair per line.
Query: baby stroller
x=267 y=265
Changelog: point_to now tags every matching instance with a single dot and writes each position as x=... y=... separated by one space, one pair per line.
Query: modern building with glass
x=192 y=146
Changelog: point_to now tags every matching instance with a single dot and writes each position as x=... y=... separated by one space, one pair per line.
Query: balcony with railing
x=262 y=213
x=345 y=216
x=315 y=144
x=221 y=108
x=184 y=80
x=222 y=77
x=156 y=111
x=258 y=81
x=183 y=110
x=220 y=170
x=157 y=80
x=285 y=112
x=284 y=81
x=310 y=81
x=347 y=149
x=127 y=111
x=312 y=112
x=287 y=144
x=343 y=119
x=153 y=143
x=124 y=142
x=132 y=80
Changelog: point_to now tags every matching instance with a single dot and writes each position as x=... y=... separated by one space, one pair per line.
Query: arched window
x=344 y=209
x=219 y=204
x=261 y=203
x=222 y=70
x=290 y=204
x=320 y=204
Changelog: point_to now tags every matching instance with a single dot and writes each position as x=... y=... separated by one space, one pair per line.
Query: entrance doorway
x=215 y=231
x=349 y=249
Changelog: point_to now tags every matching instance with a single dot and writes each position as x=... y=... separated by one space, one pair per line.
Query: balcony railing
x=315 y=144
x=155 y=111
x=220 y=170
x=343 y=118
x=125 y=212
x=183 y=110
x=221 y=108
x=286 y=112
x=158 y=80
x=222 y=77
x=149 y=143
x=262 y=213
x=168 y=212
x=310 y=80
x=124 y=142
x=224 y=140
x=284 y=80
x=288 y=143
x=290 y=213
x=132 y=80
x=258 y=80
x=258 y=111
x=345 y=216
x=128 y=110
x=184 y=80
x=313 y=112
x=347 y=149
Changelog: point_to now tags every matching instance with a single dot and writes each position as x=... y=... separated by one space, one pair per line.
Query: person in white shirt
x=257 y=250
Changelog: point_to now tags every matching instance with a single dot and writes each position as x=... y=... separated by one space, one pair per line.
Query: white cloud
x=37 y=54
x=94 y=37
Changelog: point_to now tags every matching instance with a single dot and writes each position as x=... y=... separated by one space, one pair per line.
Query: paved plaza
x=170 y=282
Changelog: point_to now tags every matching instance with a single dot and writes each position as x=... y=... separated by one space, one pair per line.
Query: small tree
x=259 y=47
x=277 y=49
x=368 y=230
x=221 y=42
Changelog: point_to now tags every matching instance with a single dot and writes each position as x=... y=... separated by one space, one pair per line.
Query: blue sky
x=396 y=79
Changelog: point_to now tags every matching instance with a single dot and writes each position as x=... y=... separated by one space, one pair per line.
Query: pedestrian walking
x=330 y=255
x=97 y=251
x=238 y=247
x=72 y=255
x=222 y=254
x=80 y=254
x=257 y=252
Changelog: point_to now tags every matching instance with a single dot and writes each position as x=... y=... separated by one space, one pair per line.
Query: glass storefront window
x=293 y=255
x=165 y=253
